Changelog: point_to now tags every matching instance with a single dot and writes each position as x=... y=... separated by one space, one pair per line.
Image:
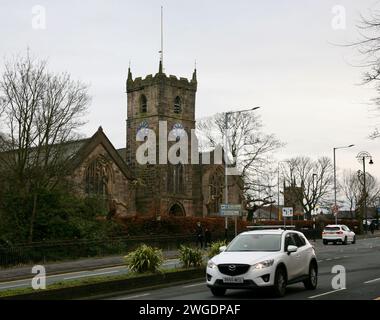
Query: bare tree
x=369 y=49
x=313 y=177
x=351 y=189
x=250 y=148
x=41 y=113
x=372 y=188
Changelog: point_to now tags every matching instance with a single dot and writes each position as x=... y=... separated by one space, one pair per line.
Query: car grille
x=232 y=269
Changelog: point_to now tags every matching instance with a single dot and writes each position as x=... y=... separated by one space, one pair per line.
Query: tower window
x=143 y=104
x=176 y=179
x=177 y=105
x=178 y=152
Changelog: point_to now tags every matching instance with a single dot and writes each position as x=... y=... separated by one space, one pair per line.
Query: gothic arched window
x=177 y=105
x=143 y=104
x=176 y=179
x=216 y=187
x=99 y=177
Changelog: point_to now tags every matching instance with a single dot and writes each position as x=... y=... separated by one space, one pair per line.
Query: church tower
x=164 y=188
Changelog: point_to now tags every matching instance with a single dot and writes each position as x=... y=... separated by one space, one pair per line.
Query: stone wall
x=121 y=188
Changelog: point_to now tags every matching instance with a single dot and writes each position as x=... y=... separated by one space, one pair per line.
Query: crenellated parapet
x=160 y=78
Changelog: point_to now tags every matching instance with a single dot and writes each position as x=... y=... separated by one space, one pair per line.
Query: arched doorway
x=177 y=210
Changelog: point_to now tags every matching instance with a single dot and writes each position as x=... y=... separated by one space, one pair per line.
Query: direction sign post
x=231 y=210
x=228 y=210
x=287 y=212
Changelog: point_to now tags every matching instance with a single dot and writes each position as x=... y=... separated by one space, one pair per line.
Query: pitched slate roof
x=88 y=145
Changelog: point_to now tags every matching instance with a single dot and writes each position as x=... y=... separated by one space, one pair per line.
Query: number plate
x=233 y=280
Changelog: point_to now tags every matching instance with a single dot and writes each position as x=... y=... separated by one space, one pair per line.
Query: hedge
x=148 y=225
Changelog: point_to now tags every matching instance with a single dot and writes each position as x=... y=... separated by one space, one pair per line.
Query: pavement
x=361 y=262
x=87 y=264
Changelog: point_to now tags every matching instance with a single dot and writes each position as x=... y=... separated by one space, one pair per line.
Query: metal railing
x=42 y=252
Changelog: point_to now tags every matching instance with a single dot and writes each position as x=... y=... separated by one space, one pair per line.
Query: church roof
x=122 y=152
x=89 y=145
x=76 y=151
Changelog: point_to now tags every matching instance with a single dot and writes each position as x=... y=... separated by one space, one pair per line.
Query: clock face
x=142 y=129
x=178 y=130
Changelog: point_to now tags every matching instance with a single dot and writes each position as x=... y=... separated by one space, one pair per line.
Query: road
x=361 y=261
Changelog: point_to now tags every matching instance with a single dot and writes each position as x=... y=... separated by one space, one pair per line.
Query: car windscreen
x=256 y=242
x=331 y=229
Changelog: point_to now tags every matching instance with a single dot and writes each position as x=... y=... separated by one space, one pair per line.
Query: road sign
x=335 y=209
x=287 y=212
x=230 y=210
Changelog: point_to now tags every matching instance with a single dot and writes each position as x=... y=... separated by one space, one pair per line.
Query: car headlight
x=211 y=265
x=263 y=264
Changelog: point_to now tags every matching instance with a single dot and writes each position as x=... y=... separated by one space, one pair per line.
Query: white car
x=338 y=233
x=263 y=258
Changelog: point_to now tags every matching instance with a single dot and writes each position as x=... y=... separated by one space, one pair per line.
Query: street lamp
x=361 y=158
x=377 y=213
x=335 y=205
x=226 y=118
x=278 y=188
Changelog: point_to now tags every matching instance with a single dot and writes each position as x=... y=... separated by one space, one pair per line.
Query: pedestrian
x=207 y=237
x=372 y=227
x=199 y=235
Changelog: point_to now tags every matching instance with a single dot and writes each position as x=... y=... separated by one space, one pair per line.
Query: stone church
x=154 y=189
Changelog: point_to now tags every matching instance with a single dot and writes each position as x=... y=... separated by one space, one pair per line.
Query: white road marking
x=90 y=275
x=326 y=293
x=319 y=261
x=15 y=286
x=111 y=268
x=194 y=285
x=374 y=280
x=136 y=296
x=329 y=259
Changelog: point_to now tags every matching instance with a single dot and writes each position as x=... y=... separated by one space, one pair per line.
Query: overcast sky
x=281 y=55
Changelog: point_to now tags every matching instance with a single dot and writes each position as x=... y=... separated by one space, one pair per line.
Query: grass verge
x=93 y=281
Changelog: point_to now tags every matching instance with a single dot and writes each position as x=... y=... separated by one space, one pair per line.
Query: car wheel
x=325 y=242
x=279 y=288
x=311 y=282
x=344 y=241
x=353 y=240
x=218 y=292
x=334 y=242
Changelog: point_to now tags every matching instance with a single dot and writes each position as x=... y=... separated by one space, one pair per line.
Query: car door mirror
x=222 y=248
x=291 y=249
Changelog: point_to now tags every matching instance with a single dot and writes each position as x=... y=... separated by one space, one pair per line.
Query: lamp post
x=377 y=213
x=335 y=205
x=278 y=188
x=313 y=213
x=361 y=158
x=226 y=118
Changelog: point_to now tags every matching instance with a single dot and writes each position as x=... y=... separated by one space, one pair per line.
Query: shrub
x=144 y=259
x=214 y=248
x=190 y=257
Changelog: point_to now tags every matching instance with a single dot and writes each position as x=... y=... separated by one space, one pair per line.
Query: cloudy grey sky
x=281 y=55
